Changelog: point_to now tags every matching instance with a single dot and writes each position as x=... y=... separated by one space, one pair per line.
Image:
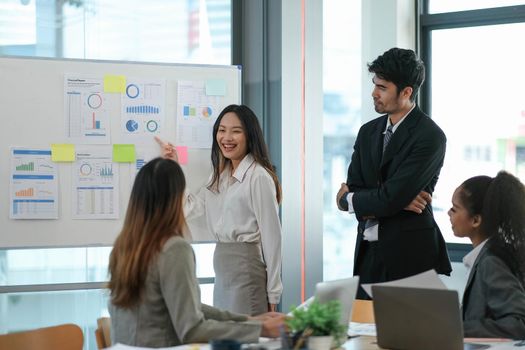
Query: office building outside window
x=181 y=31
x=342 y=67
x=447 y=6
x=474 y=92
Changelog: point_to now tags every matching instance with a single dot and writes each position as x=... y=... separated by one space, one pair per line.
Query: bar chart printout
x=143 y=156
x=33 y=186
x=85 y=110
x=95 y=185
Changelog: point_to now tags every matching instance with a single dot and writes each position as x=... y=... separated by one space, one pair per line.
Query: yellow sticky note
x=124 y=153
x=62 y=152
x=114 y=83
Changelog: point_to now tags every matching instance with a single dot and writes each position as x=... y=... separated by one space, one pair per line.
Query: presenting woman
x=240 y=208
x=491 y=213
x=155 y=297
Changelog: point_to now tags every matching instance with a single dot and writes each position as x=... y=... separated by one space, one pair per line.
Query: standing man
x=394 y=169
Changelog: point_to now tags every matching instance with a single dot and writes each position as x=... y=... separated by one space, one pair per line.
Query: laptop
x=416 y=318
x=343 y=290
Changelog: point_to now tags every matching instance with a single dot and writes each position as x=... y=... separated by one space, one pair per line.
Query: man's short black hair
x=401 y=67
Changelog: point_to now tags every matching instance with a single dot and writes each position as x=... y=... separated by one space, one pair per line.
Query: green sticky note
x=215 y=87
x=62 y=152
x=114 y=83
x=124 y=153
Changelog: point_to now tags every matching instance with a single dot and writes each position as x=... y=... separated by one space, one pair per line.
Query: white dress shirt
x=245 y=209
x=470 y=258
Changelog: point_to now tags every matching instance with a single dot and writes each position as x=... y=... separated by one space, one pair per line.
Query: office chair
x=102 y=333
x=363 y=311
x=61 y=337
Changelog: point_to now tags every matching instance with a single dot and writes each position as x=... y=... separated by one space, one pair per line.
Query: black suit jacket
x=385 y=183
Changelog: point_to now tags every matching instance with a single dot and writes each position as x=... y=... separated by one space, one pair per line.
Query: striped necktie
x=388 y=135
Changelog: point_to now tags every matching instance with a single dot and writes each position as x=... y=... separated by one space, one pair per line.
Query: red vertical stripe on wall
x=303 y=219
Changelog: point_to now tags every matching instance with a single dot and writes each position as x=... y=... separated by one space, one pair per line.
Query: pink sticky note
x=182 y=153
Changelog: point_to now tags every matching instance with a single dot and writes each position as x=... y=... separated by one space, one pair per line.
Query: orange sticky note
x=182 y=153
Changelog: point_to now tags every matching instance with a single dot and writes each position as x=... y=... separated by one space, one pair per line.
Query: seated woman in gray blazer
x=491 y=212
x=155 y=296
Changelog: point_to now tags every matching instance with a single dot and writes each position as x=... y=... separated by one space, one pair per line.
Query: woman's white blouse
x=245 y=209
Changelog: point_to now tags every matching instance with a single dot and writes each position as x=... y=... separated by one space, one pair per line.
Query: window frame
x=460 y=19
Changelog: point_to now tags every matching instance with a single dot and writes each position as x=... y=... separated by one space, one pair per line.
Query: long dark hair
x=154 y=214
x=500 y=202
x=254 y=141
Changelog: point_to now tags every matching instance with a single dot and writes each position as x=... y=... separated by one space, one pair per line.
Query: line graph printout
x=196 y=114
x=95 y=184
x=86 y=110
x=142 y=114
x=33 y=188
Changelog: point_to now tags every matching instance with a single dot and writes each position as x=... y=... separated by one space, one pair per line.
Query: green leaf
x=321 y=318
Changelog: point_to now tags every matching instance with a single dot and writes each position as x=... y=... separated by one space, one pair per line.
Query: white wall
x=386 y=24
x=302 y=203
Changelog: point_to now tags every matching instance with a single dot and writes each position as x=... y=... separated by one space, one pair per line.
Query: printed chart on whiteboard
x=33 y=184
x=196 y=114
x=143 y=108
x=95 y=185
x=85 y=111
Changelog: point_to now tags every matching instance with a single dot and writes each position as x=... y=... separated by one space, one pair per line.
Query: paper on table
x=428 y=279
x=355 y=329
x=180 y=347
x=510 y=345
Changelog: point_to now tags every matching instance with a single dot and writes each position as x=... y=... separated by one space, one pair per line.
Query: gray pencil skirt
x=240 y=278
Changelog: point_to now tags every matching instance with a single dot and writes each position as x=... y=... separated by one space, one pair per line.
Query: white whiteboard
x=32 y=115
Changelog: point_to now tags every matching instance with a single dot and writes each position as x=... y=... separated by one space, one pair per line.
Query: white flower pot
x=320 y=342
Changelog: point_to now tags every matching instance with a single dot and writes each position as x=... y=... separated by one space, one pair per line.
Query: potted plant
x=318 y=324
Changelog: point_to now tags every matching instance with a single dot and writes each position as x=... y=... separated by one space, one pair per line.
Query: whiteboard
x=32 y=116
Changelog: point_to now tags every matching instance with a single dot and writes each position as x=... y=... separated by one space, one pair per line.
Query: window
x=35 y=283
x=342 y=69
x=439 y=6
x=473 y=91
x=182 y=31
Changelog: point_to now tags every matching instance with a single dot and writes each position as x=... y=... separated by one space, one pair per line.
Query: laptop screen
x=416 y=318
x=343 y=290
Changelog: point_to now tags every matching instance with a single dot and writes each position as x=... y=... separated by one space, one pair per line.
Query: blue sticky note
x=215 y=87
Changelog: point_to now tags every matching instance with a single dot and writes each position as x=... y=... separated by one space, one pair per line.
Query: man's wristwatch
x=343 y=203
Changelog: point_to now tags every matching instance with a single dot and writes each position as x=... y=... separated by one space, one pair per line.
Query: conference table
x=361 y=342
x=364 y=342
